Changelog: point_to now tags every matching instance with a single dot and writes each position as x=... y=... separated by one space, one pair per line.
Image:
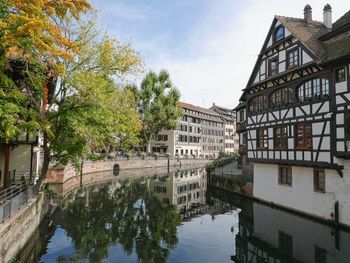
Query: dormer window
x=278 y=34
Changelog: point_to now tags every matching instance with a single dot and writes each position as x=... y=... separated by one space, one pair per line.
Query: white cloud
x=224 y=48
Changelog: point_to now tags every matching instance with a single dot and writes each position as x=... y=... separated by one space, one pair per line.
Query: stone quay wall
x=61 y=175
x=18 y=229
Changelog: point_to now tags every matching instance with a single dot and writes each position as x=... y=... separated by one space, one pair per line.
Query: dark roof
x=345 y=19
x=307 y=33
x=338 y=48
x=197 y=108
x=241 y=105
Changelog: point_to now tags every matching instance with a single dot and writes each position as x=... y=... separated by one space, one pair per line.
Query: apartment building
x=200 y=132
x=231 y=139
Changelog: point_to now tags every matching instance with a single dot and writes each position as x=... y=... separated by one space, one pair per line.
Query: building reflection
x=279 y=236
x=186 y=190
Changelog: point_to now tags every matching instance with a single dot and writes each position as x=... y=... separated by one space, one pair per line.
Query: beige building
x=185 y=189
x=200 y=133
x=231 y=139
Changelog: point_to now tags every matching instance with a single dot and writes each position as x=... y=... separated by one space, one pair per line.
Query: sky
x=209 y=47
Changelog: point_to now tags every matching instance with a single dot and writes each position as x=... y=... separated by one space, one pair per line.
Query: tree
x=157 y=105
x=88 y=109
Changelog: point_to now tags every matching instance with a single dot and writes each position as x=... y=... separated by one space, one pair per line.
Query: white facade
x=301 y=195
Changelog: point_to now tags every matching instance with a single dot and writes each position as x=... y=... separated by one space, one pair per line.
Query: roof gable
x=306 y=33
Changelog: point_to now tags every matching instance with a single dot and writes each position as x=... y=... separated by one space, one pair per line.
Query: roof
x=197 y=108
x=345 y=19
x=241 y=105
x=307 y=33
x=224 y=112
x=338 y=48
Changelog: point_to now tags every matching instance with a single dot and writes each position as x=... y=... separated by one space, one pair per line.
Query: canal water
x=178 y=218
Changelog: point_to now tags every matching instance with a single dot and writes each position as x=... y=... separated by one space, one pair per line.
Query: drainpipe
x=336 y=225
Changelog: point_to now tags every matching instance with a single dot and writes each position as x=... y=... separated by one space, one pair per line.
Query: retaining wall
x=18 y=229
x=61 y=175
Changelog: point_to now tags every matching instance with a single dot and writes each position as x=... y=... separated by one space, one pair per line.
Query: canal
x=178 y=218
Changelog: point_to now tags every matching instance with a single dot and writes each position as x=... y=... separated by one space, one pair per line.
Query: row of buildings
x=293 y=118
x=200 y=132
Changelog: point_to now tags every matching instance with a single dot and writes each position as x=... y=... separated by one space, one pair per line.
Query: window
x=292 y=59
x=241 y=116
x=160 y=189
x=285 y=243
x=258 y=104
x=278 y=34
x=281 y=137
x=320 y=255
x=161 y=137
x=281 y=97
x=340 y=75
x=262 y=139
x=285 y=175
x=319 y=180
x=303 y=136
x=315 y=88
x=273 y=67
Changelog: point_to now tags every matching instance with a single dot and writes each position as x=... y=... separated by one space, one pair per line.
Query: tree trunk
x=46 y=161
x=148 y=147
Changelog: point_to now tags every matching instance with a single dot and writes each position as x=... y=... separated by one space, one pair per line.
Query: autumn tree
x=53 y=44
x=157 y=105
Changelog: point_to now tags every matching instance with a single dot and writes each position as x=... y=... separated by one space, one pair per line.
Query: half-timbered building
x=294 y=116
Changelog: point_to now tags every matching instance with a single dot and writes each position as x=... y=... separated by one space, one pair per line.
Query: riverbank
x=64 y=179
x=18 y=229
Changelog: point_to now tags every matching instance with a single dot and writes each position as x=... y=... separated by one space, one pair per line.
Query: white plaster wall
x=301 y=195
x=20 y=158
x=341 y=87
x=306 y=58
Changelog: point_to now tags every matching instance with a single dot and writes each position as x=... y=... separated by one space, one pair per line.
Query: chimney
x=327 y=16
x=308 y=13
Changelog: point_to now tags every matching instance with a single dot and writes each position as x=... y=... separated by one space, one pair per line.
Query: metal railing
x=12 y=198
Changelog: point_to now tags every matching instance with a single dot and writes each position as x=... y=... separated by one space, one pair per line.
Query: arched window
x=313 y=89
x=258 y=104
x=278 y=34
x=281 y=97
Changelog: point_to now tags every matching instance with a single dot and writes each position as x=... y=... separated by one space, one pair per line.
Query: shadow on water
x=141 y=221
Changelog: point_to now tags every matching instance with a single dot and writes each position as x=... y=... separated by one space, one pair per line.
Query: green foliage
x=157 y=104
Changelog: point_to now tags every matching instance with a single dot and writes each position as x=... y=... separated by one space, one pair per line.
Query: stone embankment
x=18 y=229
x=65 y=179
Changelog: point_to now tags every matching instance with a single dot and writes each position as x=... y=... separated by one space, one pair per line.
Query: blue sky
x=208 y=46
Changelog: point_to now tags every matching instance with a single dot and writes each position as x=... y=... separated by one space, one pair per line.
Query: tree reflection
x=130 y=217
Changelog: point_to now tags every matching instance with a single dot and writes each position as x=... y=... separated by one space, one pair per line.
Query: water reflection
x=131 y=217
x=271 y=235
x=178 y=218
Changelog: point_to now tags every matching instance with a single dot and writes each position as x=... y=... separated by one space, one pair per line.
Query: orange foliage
x=32 y=28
